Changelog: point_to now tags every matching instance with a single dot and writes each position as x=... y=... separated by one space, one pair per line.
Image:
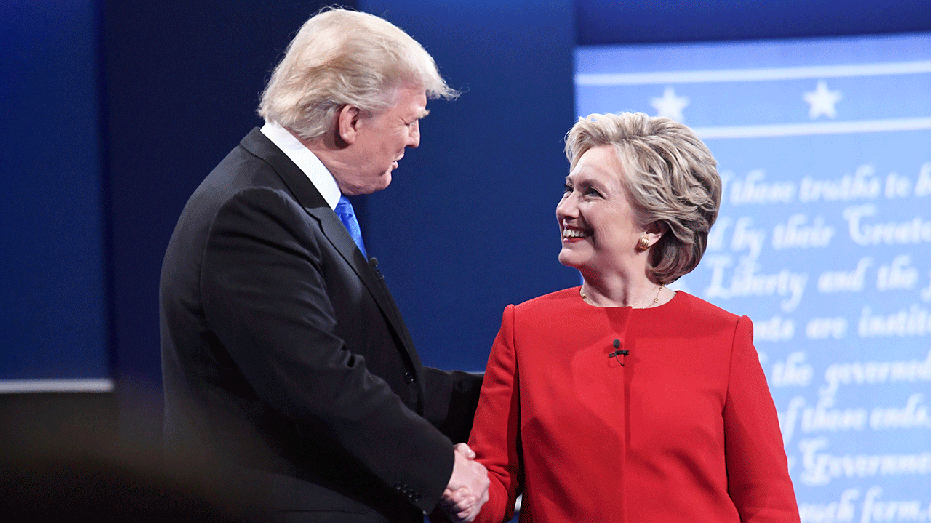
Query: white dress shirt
x=306 y=161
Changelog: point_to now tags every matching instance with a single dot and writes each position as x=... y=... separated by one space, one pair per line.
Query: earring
x=643 y=244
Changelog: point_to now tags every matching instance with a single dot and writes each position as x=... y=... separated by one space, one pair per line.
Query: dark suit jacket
x=287 y=369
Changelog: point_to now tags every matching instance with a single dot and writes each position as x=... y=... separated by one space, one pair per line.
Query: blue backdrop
x=54 y=292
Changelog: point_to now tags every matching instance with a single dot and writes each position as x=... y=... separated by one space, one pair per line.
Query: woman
x=623 y=400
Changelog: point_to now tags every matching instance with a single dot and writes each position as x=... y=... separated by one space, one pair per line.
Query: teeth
x=573 y=233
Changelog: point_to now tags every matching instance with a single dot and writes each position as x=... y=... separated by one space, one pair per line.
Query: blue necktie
x=348 y=217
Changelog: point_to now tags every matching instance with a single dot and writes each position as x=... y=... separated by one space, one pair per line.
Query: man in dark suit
x=288 y=371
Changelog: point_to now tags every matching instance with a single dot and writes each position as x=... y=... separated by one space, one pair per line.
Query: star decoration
x=670 y=105
x=821 y=101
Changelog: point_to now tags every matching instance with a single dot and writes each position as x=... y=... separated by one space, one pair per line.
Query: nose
x=567 y=207
x=413 y=138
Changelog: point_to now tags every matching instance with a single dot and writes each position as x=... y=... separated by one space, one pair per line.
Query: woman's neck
x=639 y=293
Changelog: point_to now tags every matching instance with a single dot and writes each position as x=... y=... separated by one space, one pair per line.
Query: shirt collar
x=305 y=160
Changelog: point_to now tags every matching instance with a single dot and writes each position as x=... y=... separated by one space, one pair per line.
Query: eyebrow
x=574 y=175
x=585 y=181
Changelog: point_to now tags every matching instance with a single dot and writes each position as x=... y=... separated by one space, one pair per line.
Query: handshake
x=467 y=490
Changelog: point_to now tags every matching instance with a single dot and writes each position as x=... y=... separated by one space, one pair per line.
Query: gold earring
x=643 y=244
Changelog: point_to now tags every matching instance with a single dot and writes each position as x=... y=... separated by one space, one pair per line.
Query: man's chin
x=371 y=185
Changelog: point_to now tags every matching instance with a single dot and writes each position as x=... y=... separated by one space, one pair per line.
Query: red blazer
x=681 y=429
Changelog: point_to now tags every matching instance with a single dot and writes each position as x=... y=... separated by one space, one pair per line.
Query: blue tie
x=348 y=217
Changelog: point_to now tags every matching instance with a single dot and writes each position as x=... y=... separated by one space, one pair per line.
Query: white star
x=670 y=105
x=821 y=101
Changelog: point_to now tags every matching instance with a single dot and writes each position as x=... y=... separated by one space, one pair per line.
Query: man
x=288 y=371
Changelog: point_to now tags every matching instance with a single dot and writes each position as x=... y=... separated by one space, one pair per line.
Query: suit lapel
x=334 y=230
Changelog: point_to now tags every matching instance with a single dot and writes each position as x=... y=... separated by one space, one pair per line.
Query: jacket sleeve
x=757 y=470
x=451 y=398
x=495 y=434
x=266 y=301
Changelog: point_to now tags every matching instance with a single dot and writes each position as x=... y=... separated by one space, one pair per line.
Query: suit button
x=409 y=377
x=415 y=497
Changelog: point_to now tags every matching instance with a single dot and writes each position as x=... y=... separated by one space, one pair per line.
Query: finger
x=471 y=515
x=450 y=508
x=460 y=496
x=461 y=514
x=465 y=504
x=454 y=512
x=465 y=450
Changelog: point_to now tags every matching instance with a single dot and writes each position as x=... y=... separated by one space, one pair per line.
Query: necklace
x=655 y=300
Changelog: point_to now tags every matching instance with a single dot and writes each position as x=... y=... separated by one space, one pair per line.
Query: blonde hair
x=670 y=177
x=340 y=58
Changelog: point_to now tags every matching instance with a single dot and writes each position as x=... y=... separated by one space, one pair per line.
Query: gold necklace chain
x=655 y=300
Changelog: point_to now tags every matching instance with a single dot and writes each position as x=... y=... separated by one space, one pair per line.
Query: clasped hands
x=467 y=490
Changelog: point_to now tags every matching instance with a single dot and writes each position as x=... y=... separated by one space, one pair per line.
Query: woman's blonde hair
x=671 y=179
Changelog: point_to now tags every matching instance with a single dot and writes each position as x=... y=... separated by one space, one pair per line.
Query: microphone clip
x=618 y=352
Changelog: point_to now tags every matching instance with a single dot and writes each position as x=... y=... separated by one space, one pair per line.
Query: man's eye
x=592 y=192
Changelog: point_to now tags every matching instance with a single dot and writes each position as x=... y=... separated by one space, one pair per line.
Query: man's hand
x=467 y=490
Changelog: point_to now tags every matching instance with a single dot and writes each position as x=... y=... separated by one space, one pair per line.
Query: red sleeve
x=758 y=474
x=495 y=432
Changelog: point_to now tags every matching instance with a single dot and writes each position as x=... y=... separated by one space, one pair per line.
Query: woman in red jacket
x=623 y=400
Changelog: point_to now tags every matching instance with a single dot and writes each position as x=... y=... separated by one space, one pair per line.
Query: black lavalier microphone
x=618 y=352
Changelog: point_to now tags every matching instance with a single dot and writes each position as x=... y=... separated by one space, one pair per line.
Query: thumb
x=465 y=450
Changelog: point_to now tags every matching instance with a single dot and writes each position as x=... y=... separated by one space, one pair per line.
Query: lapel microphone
x=374 y=263
x=618 y=352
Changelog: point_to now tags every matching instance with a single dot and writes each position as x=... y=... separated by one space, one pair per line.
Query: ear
x=347 y=123
x=655 y=231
